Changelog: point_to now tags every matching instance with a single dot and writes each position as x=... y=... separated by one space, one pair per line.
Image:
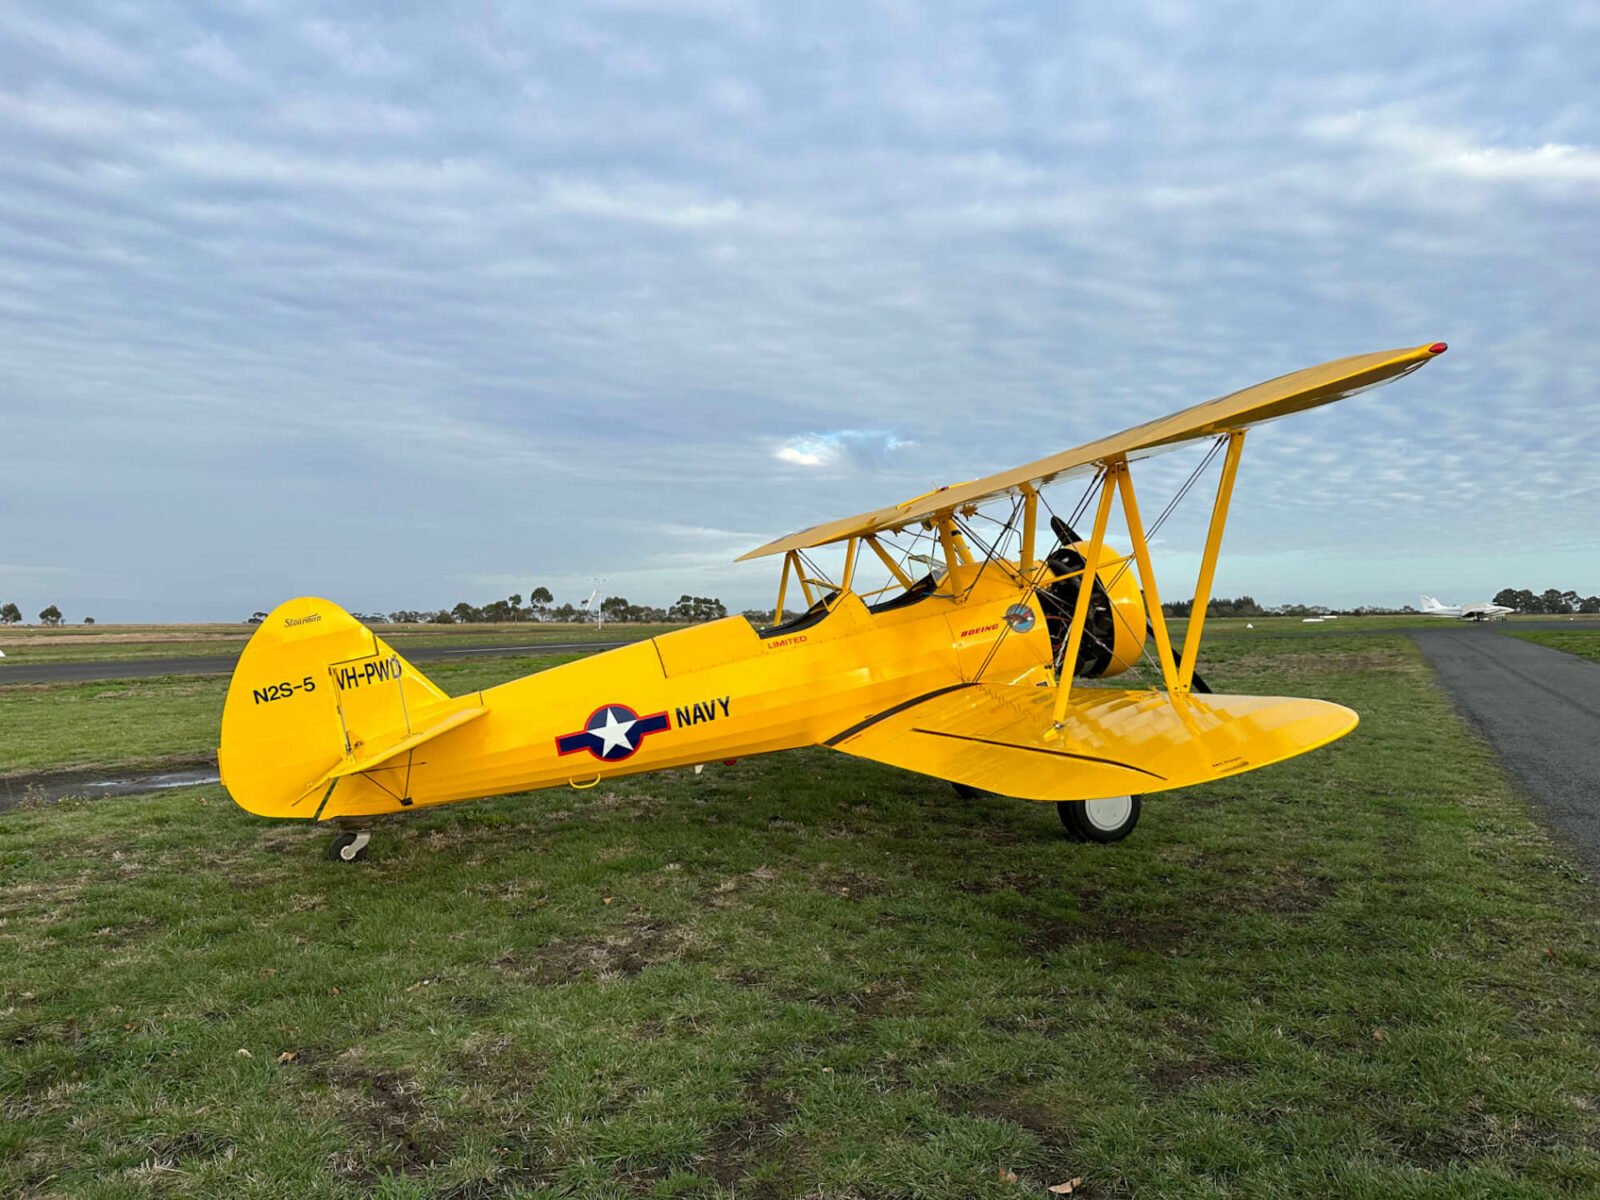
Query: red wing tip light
x=1438 y=348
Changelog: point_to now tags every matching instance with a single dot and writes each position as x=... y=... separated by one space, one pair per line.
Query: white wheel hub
x=1109 y=814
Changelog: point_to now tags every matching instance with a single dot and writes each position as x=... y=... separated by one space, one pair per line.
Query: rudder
x=314 y=690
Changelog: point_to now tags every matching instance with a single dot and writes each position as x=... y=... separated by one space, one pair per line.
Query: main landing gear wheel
x=349 y=847
x=1108 y=820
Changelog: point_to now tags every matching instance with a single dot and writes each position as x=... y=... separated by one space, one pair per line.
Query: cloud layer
x=316 y=299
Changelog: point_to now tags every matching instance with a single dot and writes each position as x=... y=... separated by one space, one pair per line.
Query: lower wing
x=1000 y=737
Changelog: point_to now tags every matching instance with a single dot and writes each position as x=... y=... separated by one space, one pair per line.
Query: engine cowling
x=1114 y=630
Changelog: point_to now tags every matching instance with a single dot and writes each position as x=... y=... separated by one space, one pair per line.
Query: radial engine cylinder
x=1114 y=630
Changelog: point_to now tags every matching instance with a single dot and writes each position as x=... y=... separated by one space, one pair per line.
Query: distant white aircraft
x=1466 y=612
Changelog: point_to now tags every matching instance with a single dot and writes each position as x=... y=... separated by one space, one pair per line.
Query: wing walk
x=1267 y=401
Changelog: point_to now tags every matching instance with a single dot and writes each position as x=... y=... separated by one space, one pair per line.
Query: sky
x=410 y=304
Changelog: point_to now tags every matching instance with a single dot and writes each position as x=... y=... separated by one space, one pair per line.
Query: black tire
x=1105 y=822
x=340 y=849
x=967 y=792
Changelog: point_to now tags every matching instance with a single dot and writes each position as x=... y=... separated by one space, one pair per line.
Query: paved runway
x=1540 y=710
x=143 y=668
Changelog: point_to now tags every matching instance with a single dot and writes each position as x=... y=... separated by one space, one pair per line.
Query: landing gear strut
x=350 y=846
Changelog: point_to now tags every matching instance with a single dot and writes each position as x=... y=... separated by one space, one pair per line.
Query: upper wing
x=1263 y=402
x=999 y=737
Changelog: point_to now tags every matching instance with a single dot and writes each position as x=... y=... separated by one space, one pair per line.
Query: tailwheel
x=350 y=846
x=1108 y=820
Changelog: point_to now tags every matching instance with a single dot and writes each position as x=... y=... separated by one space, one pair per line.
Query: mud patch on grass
x=35 y=790
x=1157 y=932
x=32 y=899
x=1288 y=901
x=385 y=1114
x=725 y=890
x=622 y=952
x=193 y=1145
x=1052 y=1135
x=1282 y=895
x=866 y=1002
x=1035 y=1118
x=846 y=883
x=1185 y=1073
x=120 y=935
x=67 y=1032
x=1021 y=882
x=1479 y=1136
x=756 y=1139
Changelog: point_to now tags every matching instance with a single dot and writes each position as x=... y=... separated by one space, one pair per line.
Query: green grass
x=104 y=643
x=167 y=720
x=1364 y=973
x=128 y=722
x=1585 y=643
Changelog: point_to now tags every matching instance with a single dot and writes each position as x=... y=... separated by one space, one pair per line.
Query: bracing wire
x=1177 y=499
x=1155 y=527
x=992 y=549
x=1007 y=527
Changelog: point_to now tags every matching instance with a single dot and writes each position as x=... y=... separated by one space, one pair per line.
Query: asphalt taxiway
x=1540 y=710
x=145 y=668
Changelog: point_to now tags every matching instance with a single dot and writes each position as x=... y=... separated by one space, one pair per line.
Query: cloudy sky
x=409 y=309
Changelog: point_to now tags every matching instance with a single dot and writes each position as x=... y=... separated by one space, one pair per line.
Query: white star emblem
x=613 y=733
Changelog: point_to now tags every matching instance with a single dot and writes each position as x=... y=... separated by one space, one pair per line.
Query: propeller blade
x=1065 y=534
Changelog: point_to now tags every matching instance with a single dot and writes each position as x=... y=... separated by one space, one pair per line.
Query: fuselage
x=724 y=690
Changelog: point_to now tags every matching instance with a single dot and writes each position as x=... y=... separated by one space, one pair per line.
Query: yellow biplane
x=978 y=663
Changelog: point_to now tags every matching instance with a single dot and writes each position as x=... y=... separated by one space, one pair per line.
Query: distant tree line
x=1552 y=600
x=761 y=618
x=10 y=614
x=541 y=606
x=1238 y=606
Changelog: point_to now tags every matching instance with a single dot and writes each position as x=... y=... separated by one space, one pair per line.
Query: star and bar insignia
x=613 y=732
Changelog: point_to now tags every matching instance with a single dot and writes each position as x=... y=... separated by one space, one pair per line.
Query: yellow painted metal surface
x=324 y=719
x=1111 y=742
x=314 y=689
x=1267 y=401
x=658 y=711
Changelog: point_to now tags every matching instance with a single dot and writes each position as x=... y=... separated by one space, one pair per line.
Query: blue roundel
x=1020 y=618
x=612 y=733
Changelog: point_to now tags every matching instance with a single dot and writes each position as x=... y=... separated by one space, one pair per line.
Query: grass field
x=77 y=643
x=100 y=643
x=147 y=724
x=1585 y=643
x=1364 y=973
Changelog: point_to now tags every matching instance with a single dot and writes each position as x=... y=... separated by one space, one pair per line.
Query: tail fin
x=317 y=696
x=1429 y=603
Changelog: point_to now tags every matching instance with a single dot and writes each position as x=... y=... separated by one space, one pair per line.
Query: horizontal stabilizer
x=1000 y=738
x=366 y=761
